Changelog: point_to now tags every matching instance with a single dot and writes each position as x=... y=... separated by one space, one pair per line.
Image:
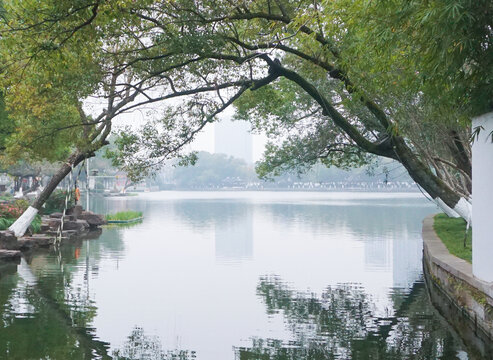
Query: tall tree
x=58 y=57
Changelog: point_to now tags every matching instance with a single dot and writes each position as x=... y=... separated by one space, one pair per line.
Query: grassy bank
x=451 y=231
x=124 y=215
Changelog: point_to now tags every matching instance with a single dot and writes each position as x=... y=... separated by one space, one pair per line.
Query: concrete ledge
x=453 y=276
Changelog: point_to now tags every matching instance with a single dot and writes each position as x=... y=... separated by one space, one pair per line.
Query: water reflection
x=187 y=277
x=41 y=320
x=231 y=222
x=341 y=324
x=389 y=230
x=140 y=346
x=47 y=307
x=200 y=214
x=234 y=239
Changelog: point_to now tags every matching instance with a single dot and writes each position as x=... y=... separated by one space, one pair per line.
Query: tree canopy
x=340 y=80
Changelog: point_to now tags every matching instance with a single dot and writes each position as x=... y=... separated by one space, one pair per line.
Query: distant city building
x=233 y=138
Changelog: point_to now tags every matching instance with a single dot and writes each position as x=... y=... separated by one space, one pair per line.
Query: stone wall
x=465 y=301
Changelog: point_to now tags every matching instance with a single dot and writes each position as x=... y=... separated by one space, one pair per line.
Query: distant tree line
x=220 y=170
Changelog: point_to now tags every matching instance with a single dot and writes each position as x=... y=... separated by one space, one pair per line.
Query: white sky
x=203 y=142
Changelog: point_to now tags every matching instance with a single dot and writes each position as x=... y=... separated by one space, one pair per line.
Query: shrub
x=5 y=223
x=6 y=196
x=35 y=225
x=12 y=210
x=56 y=202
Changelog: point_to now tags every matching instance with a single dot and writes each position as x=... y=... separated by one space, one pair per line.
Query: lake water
x=233 y=275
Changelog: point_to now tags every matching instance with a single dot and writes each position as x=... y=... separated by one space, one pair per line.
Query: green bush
x=6 y=196
x=12 y=210
x=5 y=223
x=56 y=202
x=35 y=225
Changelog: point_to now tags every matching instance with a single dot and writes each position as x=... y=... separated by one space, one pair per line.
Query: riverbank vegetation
x=451 y=231
x=56 y=202
x=124 y=215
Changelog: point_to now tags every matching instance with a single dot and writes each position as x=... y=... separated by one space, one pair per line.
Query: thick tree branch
x=329 y=110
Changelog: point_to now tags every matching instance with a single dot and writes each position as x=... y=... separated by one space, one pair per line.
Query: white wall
x=482 y=192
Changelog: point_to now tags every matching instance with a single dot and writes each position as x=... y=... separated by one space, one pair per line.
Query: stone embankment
x=464 y=300
x=76 y=224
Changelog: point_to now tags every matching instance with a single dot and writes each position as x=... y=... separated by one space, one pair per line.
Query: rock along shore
x=76 y=224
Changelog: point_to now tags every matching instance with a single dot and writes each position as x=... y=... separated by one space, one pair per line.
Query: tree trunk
x=396 y=149
x=20 y=226
x=445 y=197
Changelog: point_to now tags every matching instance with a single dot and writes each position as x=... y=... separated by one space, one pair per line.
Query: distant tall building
x=233 y=138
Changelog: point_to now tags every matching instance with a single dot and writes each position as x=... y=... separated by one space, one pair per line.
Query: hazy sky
x=203 y=142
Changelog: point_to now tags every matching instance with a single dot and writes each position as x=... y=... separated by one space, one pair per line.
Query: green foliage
x=124 y=215
x=6 y=196
x=47 y=70
x=56 y=202
x=438 y=50
x=451 y=231
x=371 y=72
x=6 y=124
x=301 y=153
x=6 y=222
x=35 y=224
x=139 y=153
x=140 y=345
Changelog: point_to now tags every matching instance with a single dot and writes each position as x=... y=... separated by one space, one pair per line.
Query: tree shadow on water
x=140 y=346
x=343 y=323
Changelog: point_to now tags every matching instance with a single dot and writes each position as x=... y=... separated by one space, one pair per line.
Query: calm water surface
x=233 y=275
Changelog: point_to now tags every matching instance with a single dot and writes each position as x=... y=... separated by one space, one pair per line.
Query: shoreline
x=465 y=301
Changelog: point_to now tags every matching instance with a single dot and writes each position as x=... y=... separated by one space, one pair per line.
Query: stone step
x=8 y=241
x=10 y=254
x=59 y=215
x=66 y=234
x=29 y=242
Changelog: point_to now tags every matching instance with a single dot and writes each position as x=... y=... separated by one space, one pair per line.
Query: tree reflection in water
x=140 y=346
x=342 y=324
